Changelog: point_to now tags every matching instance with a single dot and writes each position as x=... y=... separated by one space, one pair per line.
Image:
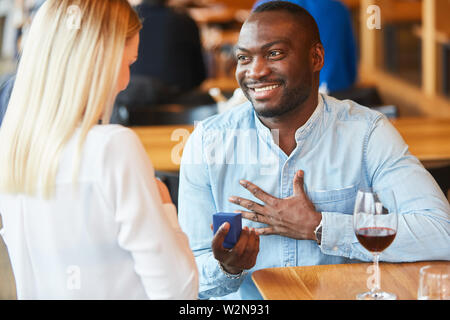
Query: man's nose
x=258 y=68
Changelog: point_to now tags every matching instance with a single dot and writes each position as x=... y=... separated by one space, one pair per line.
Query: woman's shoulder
x=111 y=138
x=110 y=131
x=109 y=146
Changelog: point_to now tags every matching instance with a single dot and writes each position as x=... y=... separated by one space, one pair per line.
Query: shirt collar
x=301 y=132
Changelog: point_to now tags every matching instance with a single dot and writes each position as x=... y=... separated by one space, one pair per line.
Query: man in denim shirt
x=291 y=160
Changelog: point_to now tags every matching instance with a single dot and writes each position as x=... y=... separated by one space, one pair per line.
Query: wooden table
x=164 y=144
x=337 y=282
x=428 y=139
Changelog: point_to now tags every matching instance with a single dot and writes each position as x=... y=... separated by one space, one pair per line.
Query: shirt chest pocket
x=337 y=200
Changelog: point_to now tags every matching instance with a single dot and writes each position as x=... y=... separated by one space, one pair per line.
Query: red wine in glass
x=375 y=223
x=375 y=239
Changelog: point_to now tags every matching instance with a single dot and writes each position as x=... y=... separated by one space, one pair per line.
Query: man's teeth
x=266 y=88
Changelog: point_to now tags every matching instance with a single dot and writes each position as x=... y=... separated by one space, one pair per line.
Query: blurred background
x=405 y=60
x=391 y=55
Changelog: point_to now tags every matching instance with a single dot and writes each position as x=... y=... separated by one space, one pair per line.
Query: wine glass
x=375 y=225
x=434 y=282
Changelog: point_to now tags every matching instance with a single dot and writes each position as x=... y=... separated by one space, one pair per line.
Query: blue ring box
x=235 y=221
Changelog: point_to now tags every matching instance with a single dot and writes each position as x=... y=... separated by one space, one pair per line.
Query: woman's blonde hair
x=66 y=79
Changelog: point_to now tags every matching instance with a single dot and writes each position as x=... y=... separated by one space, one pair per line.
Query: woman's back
x=103 y=237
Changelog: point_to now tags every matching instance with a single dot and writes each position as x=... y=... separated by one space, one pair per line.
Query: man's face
x=273 y=63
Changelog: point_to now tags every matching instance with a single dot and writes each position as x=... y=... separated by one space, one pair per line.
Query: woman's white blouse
x=107 y=237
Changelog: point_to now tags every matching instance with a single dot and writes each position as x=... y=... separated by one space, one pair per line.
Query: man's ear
x=318 y=54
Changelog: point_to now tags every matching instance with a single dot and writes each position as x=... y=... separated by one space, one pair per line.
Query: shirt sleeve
x=423 y=231
x=147 y=228
x=196 y=206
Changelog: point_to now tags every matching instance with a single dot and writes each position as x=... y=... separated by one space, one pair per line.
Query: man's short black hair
x=304 y=18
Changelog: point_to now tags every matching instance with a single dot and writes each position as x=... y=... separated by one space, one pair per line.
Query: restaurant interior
x=403 y=70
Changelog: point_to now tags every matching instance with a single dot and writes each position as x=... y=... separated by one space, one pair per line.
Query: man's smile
x=266 y=88
x=263 y=91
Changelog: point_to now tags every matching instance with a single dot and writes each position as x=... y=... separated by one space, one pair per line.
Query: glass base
x=378 y=295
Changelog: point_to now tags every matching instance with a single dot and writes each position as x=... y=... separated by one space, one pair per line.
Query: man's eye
x=242 y=58
x=274 y=54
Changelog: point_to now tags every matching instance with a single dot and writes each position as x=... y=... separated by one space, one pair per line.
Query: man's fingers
x=252 y=248
x=298 y=183
x=239 y=247
x=248 y=204
x=258 y=192
x=265 y=231
x=220 y=235
x=244 y=253
x=253 y=216
x=253 y=241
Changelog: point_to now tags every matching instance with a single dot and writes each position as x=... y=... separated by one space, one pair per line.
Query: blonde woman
x=82 y=214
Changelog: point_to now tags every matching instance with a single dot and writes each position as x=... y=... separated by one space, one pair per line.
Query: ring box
x=235 y=221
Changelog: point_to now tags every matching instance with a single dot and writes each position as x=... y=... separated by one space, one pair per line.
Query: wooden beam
x=429 y=63
x=367 y=40
x=408 y=94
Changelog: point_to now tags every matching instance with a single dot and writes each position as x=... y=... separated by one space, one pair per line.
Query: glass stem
x=376 y=268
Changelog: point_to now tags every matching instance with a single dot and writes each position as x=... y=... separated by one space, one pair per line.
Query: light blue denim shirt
x=343 y=146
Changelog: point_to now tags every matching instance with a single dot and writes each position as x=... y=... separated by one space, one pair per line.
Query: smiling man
x=278 y=68
x=274 y=70
x=291 y=161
